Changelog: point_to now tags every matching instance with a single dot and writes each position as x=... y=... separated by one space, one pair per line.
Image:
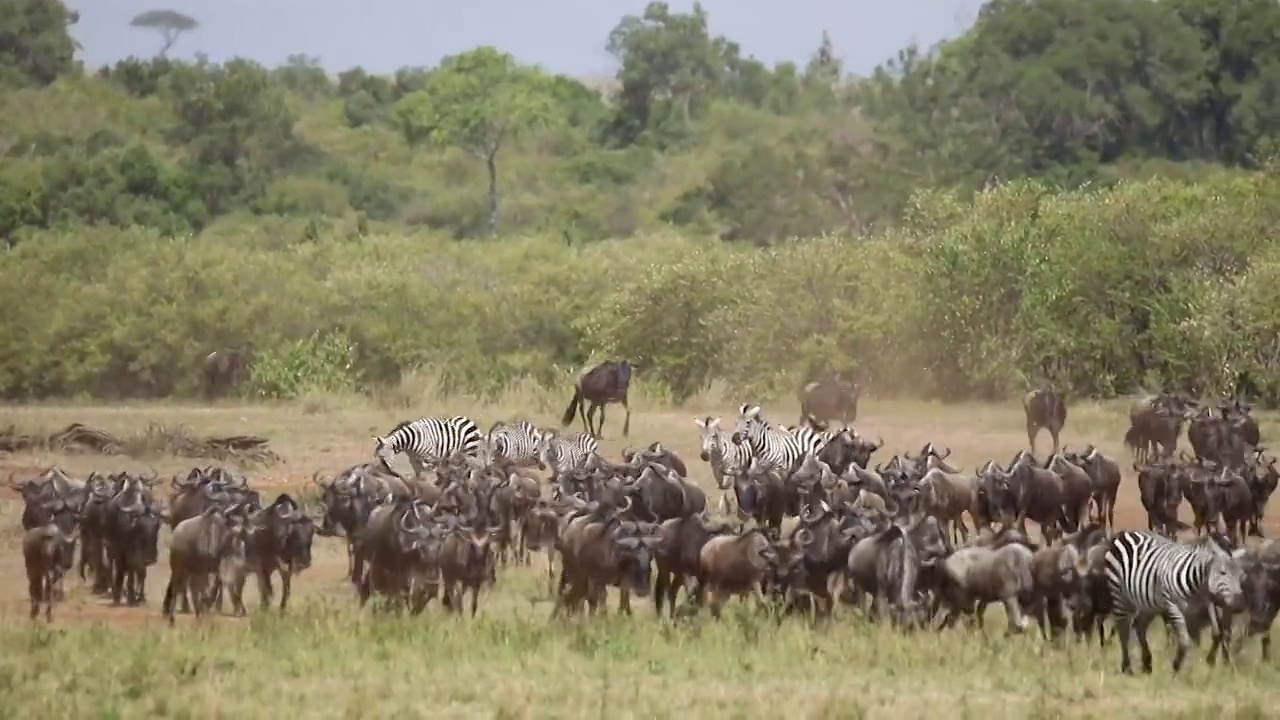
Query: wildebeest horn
x=804 y=536
x=945 y=455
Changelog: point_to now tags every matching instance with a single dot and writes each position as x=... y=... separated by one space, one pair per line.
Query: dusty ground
x=326 y=659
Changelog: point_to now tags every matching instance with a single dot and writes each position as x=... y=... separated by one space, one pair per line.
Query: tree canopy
x=692 y=135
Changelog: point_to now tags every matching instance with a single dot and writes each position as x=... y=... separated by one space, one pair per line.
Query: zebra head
x=711 y=436
x=750 y=424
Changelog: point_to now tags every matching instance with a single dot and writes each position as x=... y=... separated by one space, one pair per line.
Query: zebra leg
x=1177 y=623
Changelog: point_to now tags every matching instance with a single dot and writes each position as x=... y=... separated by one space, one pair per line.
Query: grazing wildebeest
x=1044 y=409
x=605 y=383
x=222 y=371
x=830 y=399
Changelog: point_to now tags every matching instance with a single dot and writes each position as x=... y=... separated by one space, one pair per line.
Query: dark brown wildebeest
x=1044 y=409
x=830 y=399
x=47 y=552
x=604 y=384
x=1155 y=422
x=222 y=371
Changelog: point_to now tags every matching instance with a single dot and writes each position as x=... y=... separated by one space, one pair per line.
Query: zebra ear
x=700 y=422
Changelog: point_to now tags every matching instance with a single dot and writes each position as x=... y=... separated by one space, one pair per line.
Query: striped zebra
x=775 y=448
x=565 y=454
x=517 y=442
x=1149 y=575
x=727 y=458
x=429 y=440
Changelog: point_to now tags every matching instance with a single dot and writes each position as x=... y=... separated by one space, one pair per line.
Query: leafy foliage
x=1083 y=192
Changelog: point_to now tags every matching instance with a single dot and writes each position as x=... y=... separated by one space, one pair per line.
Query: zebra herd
x=1133 y=576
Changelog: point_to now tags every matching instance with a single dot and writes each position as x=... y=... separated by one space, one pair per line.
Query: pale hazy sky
x=566 y=36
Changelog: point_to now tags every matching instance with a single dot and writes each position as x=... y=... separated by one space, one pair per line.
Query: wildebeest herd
x=809 y=521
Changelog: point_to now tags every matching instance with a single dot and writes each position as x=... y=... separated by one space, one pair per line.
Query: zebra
x=775 y=448
x=728 y=459
x=1149 y=575
x=563 y=455
x=517 y=442
x=428 y=440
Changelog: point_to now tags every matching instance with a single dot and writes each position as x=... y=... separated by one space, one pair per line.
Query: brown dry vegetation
x=327 y=659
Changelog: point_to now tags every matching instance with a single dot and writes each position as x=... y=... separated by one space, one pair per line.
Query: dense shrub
x=1103 y=291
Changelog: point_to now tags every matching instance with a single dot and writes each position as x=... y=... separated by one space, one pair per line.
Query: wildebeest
x=222 y=371
x=734 y=565
x=604 y=384
x=47 y=552
x=1155 y=422
x=196 y=551
x=279 y=542
x=831 y=399
x=1044 y=408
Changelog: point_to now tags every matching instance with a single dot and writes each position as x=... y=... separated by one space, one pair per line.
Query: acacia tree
x=477 y=101
x=169 y=23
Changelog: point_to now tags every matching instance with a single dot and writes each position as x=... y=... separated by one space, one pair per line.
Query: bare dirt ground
x=325 y=441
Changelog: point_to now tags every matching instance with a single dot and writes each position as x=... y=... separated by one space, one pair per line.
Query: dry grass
x=326 y=659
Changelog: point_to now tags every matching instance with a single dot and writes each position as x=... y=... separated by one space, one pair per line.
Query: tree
x=170 y=24
x=671 y=65
x=477 y=101
x=35 y=46
x=236 y=124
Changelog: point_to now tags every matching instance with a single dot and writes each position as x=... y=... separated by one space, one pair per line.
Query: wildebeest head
x=635 y=554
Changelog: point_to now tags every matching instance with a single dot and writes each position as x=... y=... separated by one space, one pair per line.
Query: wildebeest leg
x=588 y=418
x=475 y=598
x=1054 y=432
x=137 y=583
x=626 y=422
x=176 y=582
x=117 y=579
x=265 y=591
x=1032 y=431
x=286 y=585
x=52 y=580
x=35 y=590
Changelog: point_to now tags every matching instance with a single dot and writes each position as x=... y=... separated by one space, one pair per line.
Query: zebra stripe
x=775 y=448
x=1149 y=575
x=518 y=441
x=728 y=459
x=562 y=455
x=429 y=440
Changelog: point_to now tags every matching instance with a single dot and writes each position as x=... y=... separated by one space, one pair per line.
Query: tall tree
x=169 y=23
x=477 y=101
x=671 y=65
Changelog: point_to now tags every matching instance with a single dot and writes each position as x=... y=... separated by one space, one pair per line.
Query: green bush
x=1101 y=291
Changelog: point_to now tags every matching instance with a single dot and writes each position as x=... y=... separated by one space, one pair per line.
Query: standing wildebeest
x=1044 y=409
x=830 y=399
x=605 y=383
x=47 y=552
x=222 y=371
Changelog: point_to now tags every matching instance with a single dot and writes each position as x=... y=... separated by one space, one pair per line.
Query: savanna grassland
x=1085 y=195
x=325 y=658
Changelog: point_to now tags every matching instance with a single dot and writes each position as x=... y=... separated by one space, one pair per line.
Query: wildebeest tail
x=574 y=404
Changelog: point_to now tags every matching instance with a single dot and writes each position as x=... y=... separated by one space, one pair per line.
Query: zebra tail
x=574 y=404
